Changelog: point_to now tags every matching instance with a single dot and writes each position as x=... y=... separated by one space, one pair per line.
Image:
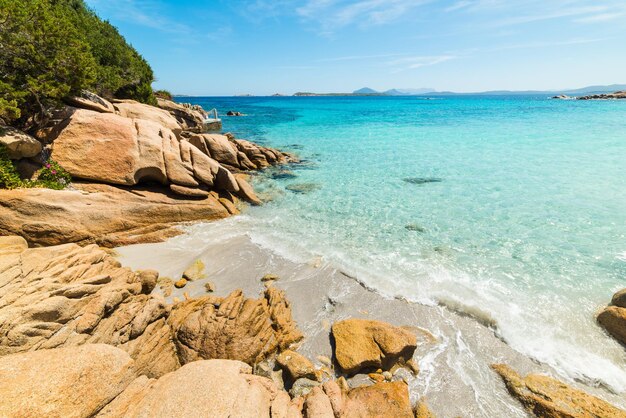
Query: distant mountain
x=365 y=90
x=575 y=92
x=409 y=92
x=394 y=92
x=597 y=89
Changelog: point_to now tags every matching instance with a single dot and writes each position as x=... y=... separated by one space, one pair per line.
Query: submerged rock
x=548 y=397
x=364 y=344
x=303 y=188
x=283 y=174
x=415 y=228
x=421 y=180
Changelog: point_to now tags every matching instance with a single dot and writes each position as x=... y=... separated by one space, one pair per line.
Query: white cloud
x=412 y=63
x=601 y=17
x=336 y=14
x=146 y=13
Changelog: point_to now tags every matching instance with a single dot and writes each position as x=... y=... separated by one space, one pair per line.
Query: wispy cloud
x=333 y=15
x=147 y=13
x=510 y=13
x=360 y=57
x=546 y=44
x=415 y=62
x=601 y=17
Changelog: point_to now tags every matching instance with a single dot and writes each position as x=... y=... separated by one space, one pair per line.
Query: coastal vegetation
x=163 y=94
x=50 y=176
x=52 y=49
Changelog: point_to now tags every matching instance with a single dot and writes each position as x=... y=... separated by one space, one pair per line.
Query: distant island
x=366 y=91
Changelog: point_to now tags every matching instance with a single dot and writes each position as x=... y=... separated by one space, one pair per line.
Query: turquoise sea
x=511 y=209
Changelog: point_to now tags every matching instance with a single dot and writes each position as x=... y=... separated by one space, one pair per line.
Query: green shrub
x=9 y=178
x=53 y=176
x=50 y=49
x=163 y=94
x=50 y=176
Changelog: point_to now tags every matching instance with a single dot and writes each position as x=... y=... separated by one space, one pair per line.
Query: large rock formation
x=105 y=215
x=135 y=110
x=67 y=382
x=237 y=154
x=190 y=118
x=113 y=149
x=233 y=327
x=364 y=344
x=212 y=389
x=167 y=176
x=613 y=317
x=69 y=295
x=547 y=397
x=18 y=144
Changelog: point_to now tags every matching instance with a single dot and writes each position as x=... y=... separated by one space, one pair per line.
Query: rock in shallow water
x=283 y=174
x=548 y=397
x=303 y=188
x=613 y=320
x=415 y=228
x=422 y=180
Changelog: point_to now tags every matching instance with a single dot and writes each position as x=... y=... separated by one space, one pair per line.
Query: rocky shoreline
x=137 y=171
x=312 y=343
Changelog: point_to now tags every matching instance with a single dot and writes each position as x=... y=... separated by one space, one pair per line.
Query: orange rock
x=379 y=400
x=362 y=344
x=548 y=397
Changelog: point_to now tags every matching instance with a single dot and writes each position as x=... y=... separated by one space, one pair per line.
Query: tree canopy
x=50 y=49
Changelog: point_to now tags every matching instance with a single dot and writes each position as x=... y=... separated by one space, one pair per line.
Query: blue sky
x=215 y=47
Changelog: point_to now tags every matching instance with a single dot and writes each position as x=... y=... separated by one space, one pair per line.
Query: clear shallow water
x=526 y=229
